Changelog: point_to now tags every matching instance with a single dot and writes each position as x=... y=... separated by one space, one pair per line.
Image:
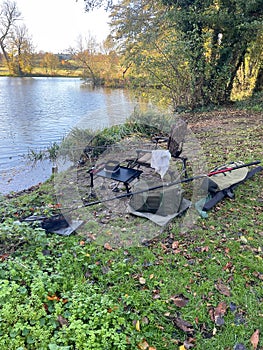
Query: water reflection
x=35 y=112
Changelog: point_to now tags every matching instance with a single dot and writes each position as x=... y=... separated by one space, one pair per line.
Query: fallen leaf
x=179 y=300
x=223 y=289
x=189 y=343
x=53 y=297
x=111 y=309
x=205 y=249
x=160 y=327
x=143 y=345
x=255 y=339
x=221 y=308
x=145 y=320
x=258 y=275
x=142 y=280
x=243 y=239
x=212 y=314
x=182 y=347
x=4 y=257
x=107 y=246
x=137 y=326
x=183 y=325
x=164 y=247
x=62 y=321
x=156 y=294
x=228 y=266
x=91 y=236
x=175 y=245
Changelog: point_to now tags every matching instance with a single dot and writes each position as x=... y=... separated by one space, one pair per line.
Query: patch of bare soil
x=223 y=120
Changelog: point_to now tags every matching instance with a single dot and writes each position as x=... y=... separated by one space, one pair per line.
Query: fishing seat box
x=162 y=201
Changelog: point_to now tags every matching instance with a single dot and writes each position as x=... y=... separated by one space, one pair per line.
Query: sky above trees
x=56 y=25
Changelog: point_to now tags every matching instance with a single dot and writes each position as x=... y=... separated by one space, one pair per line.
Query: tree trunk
x=236 y=65
x=259 y=81
x=6 y=57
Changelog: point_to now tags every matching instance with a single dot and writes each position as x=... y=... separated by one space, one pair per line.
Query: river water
x=36 y=112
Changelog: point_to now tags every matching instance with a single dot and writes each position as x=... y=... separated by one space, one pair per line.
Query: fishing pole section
x=220 y=183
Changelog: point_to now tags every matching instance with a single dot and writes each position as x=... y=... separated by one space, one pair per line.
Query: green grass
x=73 y=293
x=42 y=72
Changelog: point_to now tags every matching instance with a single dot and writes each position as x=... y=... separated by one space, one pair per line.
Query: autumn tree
x=154 y=57
x=50 y=62
x=20 y=51
x=15 y=42
x=110 y=67
x=85 y=55
x=9 y=15
x=193 y=49
x=99 y=63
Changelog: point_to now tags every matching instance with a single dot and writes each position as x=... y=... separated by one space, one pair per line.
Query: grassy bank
x=199 y=288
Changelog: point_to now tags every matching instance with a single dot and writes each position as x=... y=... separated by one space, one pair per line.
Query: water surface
x=36 y=112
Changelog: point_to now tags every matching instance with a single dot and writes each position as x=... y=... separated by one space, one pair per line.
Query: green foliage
x=253 y=104
x=193 y=52
x=139 y=123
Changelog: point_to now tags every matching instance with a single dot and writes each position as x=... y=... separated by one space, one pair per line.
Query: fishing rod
x=167 y=185
x=223 y=170
x=62 y=222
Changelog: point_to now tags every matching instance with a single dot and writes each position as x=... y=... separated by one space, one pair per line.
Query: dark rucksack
x=222 y=185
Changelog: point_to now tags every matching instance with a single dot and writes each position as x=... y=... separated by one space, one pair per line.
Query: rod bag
x=228 y=192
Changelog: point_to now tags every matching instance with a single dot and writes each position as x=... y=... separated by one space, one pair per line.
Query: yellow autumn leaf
x=182 y=347
x=137 y=326
x=143 y=345
x=243 y=239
